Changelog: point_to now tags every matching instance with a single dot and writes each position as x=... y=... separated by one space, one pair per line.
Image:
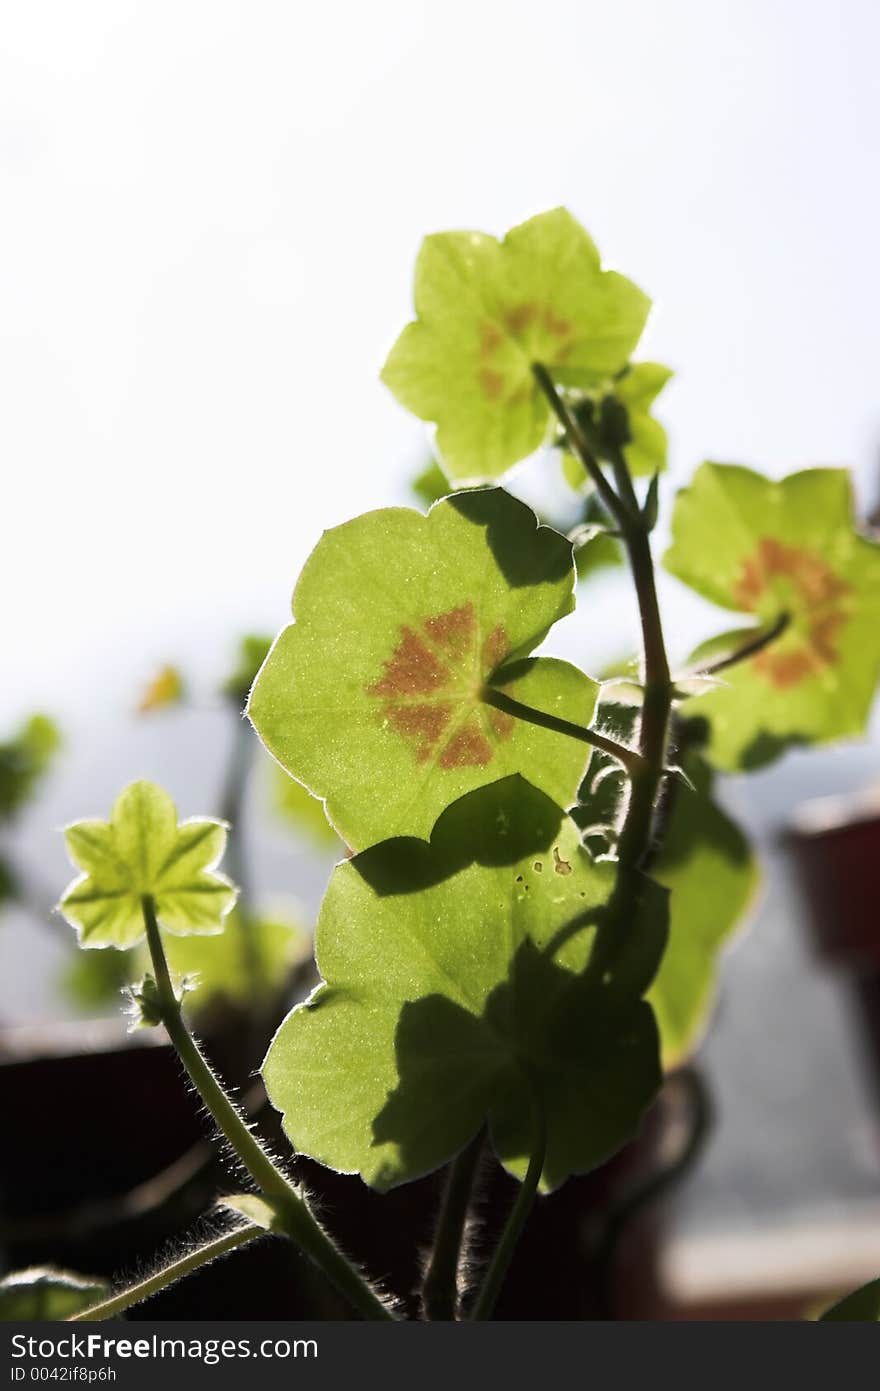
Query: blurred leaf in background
x=23 y=760
x=45 y=1293
x=164 y=689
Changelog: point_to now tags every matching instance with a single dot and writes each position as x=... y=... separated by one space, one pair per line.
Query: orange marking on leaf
x=454 y=630
x=520 y=317
x=443 y=661
x=560 y=328
x=491 y=339
x=818 y=615
x=495 y=649
x=492 y=383
x=468 y=748
x=413 y=669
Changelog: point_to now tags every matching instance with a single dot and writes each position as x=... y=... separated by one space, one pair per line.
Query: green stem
x=630 y=758
x=440 y=1285
x=175 y=1270
x=579 y=445
x=636 y=835
x=293 y=1213
x=494 y=1278
x=762 y=639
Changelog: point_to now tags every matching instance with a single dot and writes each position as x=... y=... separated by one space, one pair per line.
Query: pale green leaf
x=255 y=1209
x=769 y=549
x=464 y=982
x=24 y=759
x=487 y=310
x=373 y=697
x=303 y=812
x=46 y=1294
x=253 y=954
x=143 y=850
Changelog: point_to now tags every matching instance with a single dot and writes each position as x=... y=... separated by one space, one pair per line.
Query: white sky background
x=210 y=213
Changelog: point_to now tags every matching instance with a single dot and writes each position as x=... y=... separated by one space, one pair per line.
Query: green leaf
x=487 y=310
x=767 y=549
x=220 y=966
x=712 y=875
x=431 y=484
x=464 y=981
x=23 y=761
x=708 y=867
x=253 y=650
x=45 y=1293
x=862 y=1306
x=372 y=697
x=303 y=812
x=143 y=850
x=637 y=389
x=92 y=979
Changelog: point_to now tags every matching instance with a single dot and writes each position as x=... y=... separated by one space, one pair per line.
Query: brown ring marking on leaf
x=820 y=591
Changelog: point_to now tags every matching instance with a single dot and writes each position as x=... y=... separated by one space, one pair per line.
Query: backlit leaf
x=464 y=982
x=486 y=311
x=373 y=696
x=143 y=850
x=708 y=867
x=769 y=549
x=164 y=689
x=45 y=1293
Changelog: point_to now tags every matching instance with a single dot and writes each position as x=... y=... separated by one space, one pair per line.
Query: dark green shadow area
x=526 y=554
x=766 y=748
x=496 y=825
x=583 y=1048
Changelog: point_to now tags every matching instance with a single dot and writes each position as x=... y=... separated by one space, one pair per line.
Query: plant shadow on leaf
x=496 y=825
x=582 y=1048
x=545 y=559
x=766 y=748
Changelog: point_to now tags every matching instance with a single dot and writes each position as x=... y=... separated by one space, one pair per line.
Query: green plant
x=527 y=930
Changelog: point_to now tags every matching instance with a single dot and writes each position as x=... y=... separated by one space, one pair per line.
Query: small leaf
x=862 y=1306
x=461 y=984
x=651 y=503
x=253 y=650
x=166 y=688
x=303 y=812
x=142 y=850
x=44 y=1293
x=255 y=1209
x=637 y=389
x=487 y=310
x=771 y=549
x=373 y=696
x=24 y=759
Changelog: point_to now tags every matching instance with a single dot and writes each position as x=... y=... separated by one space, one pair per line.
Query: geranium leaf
x=708 y=867
x=771 y=549
x=463 y=982
x=372 y=697
x=265 y=946
x=252 y=651
x=46 y=1293
x=142 y=850
x=487 y=310
x=23 y=761
x=303 y=812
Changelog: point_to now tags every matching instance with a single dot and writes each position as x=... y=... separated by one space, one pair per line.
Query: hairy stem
x=440 y=1285
x=498 y=1266
x=294 y=1215
x=174 y=1270
x=630 y=758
